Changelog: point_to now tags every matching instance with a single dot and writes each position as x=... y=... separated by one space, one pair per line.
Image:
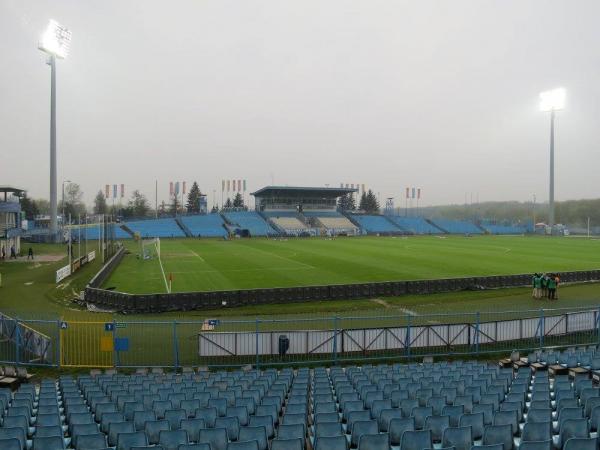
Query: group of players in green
x=545 y=286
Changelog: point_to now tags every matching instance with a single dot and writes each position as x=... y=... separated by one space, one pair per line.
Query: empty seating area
x=332 y=220
x=462 y=405
x=208 y=225
x=251 y=221
x=287 y=221
x=457 y=226
x=156 y=228
x=504 y=229
x=376 y=224
x=415 y=225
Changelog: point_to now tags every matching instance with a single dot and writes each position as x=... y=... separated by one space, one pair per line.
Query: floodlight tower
x=56 y=42
x=552 y=101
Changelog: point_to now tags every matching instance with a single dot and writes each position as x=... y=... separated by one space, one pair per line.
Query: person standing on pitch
x=30 y=253
x=534 y=283
x=544 y=285
x=538 y=286
x=557 y=279
x=551 y=287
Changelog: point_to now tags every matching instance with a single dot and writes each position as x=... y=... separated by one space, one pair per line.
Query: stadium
x=302 y=314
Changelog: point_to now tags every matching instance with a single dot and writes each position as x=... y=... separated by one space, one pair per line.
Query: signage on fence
x=63 y=273
x=91 y=256
x=64 y=325
x=76 y=264
x=121 y=325
x=109 y=326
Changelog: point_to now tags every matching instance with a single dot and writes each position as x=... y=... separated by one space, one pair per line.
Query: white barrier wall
x=306 y=342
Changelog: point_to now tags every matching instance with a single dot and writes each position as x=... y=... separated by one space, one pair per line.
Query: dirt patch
x=381 y=302
x=38 y=259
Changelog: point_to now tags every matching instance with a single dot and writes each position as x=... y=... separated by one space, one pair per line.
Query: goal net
x=150 y=248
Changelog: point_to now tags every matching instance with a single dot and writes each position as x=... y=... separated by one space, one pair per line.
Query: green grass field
x=28 y=290
x=208 y=265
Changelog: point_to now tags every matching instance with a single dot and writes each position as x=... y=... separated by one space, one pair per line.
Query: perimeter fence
x=290 y=341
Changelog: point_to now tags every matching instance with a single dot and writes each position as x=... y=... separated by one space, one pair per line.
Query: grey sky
x=437 y=94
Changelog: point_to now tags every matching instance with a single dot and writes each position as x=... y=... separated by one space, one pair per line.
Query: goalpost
x=150 y=248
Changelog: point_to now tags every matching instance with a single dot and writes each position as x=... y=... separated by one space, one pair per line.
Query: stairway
x=433 y=224
x=126 y=229
x=183 y=227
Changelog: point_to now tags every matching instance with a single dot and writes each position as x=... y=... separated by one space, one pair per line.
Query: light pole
x=552 y=101
x=63 y=201
x=55 y=41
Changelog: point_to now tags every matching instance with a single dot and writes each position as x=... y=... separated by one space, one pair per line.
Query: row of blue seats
x=209 y=225
x=251 y=221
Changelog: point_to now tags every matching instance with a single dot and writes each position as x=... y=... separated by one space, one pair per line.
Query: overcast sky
x=441 y=95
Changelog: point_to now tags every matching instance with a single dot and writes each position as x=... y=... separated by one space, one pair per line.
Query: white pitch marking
x=283 y=257
x=197 y=255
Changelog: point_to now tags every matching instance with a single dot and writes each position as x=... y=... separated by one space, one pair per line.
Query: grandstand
x=155 y=228
x=457 y=226
x=415 y=225
x=372 y=224
x=206 y=225
x=10 y=219
x=251 y=221
x=298 y=211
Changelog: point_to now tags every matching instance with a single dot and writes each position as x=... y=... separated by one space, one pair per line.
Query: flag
x=239 y=185
x=413 y=192
x=222 y=185
x=244 y=185
x=352 y=186
x=107 y=190
x=228 y=185
x=171 y=188
x=114 y=191
x=418 y=193
x=184 y=187
x=122 y=190
x=363 y=187
x=342 y=185
x=233 y=185
x=346 y=185
x=407 y=191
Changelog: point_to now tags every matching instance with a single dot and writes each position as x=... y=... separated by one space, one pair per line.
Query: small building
x=10 y=219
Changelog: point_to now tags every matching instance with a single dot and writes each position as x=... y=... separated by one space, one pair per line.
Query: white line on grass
x=197 y=255
x=163 y=274
x=283 y=257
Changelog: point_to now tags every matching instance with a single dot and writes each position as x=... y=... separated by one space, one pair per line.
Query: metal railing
x=121 y=342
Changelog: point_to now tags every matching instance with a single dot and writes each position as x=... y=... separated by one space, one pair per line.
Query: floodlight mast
x=56 y=42
x=552 y=101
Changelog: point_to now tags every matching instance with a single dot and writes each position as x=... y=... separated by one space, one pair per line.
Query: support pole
x=551 y=196
x=53 y=200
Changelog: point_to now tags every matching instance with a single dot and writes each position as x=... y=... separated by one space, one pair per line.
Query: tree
x=238 y=201
x=29 y=207
x=100 y=204
x=371 y=204
x=73 y=203
x=347 y=202
x=228 y=204
x=363 y=202
x=138 y=204
x=43 y=205
x=174 y=206
x=162 y=209
x=193 y=199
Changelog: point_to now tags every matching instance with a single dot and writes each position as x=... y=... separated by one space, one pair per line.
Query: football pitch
x=210 y=265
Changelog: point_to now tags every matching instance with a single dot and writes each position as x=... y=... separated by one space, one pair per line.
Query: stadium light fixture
x=552 y=101
x=56 y=42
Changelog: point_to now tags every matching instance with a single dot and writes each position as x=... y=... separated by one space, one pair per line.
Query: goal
x=150 y=248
